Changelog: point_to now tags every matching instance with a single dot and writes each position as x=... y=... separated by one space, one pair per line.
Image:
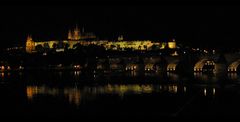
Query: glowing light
x=2 y=68
x=175 y=89
x=2 y=74
x=21 y=67
x=175 y=54
x=77 y=66
x=214 y=91
x=147 y=88
x=205 y=51
x=205 y=92
x=60 y=50
x=29 y=93
x=172 y=45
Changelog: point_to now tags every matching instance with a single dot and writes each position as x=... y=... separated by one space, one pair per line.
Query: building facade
x=76 y=36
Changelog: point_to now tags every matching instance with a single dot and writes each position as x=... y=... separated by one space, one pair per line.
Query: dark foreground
x=70 y=95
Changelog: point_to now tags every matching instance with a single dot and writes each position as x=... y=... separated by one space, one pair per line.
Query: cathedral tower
x=76 y=33
x=29 y=44
x=69 y=35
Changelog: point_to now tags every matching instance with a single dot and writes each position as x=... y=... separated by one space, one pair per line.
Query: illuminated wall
x=75 y=37
x=113 y=45
x=172 y=45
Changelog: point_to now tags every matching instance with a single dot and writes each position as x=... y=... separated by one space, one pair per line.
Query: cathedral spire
x=29 y=37
x=76 y=33
x=76 y=28
x=69 y=35
x=30 y=44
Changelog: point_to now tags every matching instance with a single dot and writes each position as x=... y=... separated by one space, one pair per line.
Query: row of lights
x=131 y=68
x=195 y=69
x=232 y=70
x=148 y=69
x=4 y=68
x=205 y=91
x=77 y=66
x=9 y=68
x=171 y=69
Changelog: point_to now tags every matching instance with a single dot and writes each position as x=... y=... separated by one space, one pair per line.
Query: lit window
x=2 y=67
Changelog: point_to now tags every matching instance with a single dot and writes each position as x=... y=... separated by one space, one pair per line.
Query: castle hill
x=85 y=51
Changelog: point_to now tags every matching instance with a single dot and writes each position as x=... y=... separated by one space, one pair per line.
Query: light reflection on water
x=173 y=90
x=209 y=91
x=2 y=74
x=76 y=95
x=205 y=77
x=232 y=76
x=173 y=76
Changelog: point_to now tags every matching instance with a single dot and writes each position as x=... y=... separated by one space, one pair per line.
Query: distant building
x=76 y=36
x=172 y=44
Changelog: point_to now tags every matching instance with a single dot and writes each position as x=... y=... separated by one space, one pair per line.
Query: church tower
x=29 y=44
x=70 y=35
x=76 y=33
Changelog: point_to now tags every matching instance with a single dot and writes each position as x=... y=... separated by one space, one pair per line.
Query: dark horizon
x=203 y=26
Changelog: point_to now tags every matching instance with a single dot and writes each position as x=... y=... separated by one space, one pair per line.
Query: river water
x=71 y=94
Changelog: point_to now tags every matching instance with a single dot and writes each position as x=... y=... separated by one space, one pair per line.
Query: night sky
x=196 y=25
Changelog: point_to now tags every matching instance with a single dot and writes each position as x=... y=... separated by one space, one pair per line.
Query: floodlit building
x=76 y=36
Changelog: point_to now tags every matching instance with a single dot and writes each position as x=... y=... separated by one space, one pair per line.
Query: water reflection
x=205 y=76
x=209 y=91
x=77 y=73
x=232 y=76
x=131 y=73
x=185 y=89
x=214 y=91
x=76 y=95
x=205 y=92
x=173 y=76
x=73 y=95
x=2 y=74
x=5 y=74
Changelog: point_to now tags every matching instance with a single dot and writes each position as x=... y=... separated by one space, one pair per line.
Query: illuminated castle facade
x=76 y=36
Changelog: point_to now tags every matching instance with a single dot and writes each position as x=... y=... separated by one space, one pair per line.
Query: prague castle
x=76 y=36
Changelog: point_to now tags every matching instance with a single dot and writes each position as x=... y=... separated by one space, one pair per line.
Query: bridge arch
x=233 y=66
x=149 y=67
x=205 y=65
x=172 y=67
x=132 y=67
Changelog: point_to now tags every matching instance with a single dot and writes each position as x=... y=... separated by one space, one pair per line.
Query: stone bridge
x=217 y=63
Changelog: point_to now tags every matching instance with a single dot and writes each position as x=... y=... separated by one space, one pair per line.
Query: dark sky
x=197 y=25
